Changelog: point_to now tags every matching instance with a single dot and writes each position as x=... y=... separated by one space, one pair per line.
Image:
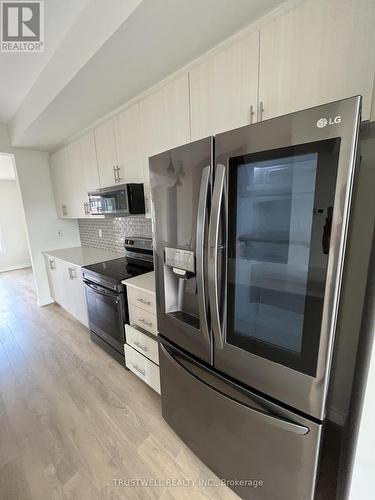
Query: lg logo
x=323 y=122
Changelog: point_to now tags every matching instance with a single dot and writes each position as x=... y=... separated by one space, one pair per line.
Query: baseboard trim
x=45 y=302
x=14 y=268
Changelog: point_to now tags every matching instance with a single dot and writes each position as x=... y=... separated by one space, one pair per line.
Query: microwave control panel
x=180 y=259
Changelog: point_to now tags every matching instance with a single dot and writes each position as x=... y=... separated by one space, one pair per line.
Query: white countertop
x=142 y=282
x=83 y=256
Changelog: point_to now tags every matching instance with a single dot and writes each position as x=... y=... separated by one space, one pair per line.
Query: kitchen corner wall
x=114 y=231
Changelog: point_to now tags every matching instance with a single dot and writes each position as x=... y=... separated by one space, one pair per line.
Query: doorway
x=14 y=247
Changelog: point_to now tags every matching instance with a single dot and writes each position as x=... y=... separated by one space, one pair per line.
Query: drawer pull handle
x=139 y=370
x=148 y=323
x=143 y=347
x=144 y=301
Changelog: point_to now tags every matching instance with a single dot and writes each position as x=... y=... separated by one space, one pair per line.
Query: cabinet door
x=165 y=123
x=106 y=152
x=58 y=167
x=75 y=302
x=128 y=142
x=89 y=162
x=75 y=181
x=320 y=51
x=224 y=89
x=56 y=278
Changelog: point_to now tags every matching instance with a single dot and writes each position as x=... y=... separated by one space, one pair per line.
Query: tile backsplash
x=114 y=231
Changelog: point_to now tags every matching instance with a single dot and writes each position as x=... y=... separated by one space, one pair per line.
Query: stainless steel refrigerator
x=250 y=231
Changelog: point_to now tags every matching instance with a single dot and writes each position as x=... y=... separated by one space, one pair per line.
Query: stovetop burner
x=111 y=273
x=119 y=269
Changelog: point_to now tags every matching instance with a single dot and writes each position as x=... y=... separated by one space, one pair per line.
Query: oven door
x=281 y=202
x=106 y=311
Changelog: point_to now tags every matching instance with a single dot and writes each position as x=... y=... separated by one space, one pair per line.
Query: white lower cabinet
x=142 y=343
x=143 y=319
x=145 y=369
x=67 y=287
x=141 y=348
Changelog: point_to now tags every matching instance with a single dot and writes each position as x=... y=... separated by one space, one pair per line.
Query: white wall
x=42 y=223
x=14 y=250
x=362 y=485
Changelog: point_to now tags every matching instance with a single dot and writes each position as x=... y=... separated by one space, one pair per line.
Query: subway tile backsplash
x=114 y=231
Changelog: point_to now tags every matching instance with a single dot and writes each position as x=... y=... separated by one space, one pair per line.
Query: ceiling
x=99 y=58
x=19 y=71
x=7 y=172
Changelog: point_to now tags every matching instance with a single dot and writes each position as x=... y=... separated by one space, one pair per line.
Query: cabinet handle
x=252 y=113
x=261 y=110
x=72 y=273
x=118 y=173
x=148 y=323
x=139 y=370
x=52 y=265
x=142 y=347
x=144 y=301
x=115 y=173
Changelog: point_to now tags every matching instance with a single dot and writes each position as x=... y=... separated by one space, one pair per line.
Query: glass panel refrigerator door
x=279 y=220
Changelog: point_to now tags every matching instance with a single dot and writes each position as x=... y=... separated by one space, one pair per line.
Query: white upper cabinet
x=106 y=153
x=128 y=145
x=165 y=124
x=60 y=177
x=89 y=162
x=165 y=121
x=224 y=89
x=74 y=173
x=75 y=181
x=84 y=177
x=320 y=51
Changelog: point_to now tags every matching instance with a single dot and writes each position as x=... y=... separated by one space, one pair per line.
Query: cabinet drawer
x=143 y=319
x=142 y=367
x=142 y=299
x=142 y=343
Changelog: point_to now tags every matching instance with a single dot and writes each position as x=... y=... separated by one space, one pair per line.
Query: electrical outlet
x=100 y=233
x=59 y=233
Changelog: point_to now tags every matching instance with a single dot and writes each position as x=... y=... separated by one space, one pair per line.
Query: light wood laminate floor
x=73 y=422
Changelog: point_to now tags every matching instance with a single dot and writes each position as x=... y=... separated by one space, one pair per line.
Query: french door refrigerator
x=250 y=231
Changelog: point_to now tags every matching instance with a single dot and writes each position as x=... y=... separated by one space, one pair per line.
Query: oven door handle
x=213 y=249
x=100 y=290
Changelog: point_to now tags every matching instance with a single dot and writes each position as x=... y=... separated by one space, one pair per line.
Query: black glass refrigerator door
x=281 y=200
x=180 y=197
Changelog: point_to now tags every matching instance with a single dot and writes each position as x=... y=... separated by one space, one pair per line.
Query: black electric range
x=106 y=295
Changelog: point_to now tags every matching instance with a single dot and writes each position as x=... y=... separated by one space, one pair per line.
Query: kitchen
x=200 y=243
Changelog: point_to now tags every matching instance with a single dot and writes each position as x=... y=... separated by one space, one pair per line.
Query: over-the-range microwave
x=126 y=199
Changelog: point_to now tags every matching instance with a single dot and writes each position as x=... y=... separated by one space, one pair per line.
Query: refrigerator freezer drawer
x=238 y=434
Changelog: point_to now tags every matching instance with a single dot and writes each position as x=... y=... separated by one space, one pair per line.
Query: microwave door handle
x=201 y=222
x=213 y=243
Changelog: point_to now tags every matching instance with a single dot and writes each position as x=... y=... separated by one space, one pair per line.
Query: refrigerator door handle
x=213 y=242
x=201 y=222
x=264 y=415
